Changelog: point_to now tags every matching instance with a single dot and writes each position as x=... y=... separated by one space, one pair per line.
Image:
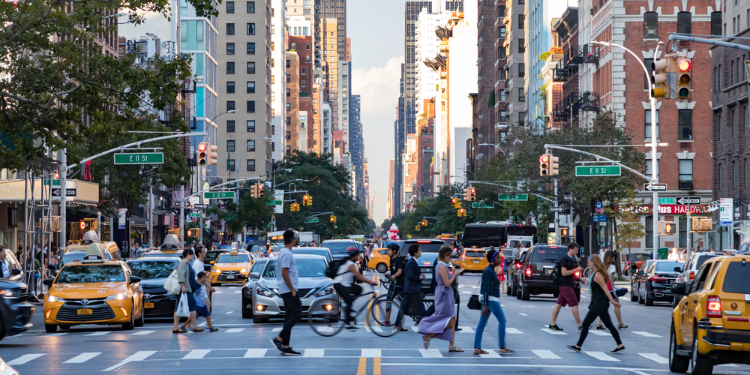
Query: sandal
x=213 y=329
x=480 y=351
x=181 y=330
x=455 y=349
x=426 y=339
x=196 y=330
x=599 y=327
x=622 y=326
x=505 y=351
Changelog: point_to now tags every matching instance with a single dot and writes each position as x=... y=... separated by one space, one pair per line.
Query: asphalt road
x=243 y=347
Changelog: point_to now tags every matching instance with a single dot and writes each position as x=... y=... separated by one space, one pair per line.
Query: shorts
x=192 y=306
x=567 y=297
x=203 y=311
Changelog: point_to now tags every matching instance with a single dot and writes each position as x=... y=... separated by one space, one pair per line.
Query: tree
x=630 y=228
x=59 y=86
x=248 y=213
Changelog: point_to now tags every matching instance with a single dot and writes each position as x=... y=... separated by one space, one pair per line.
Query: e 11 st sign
x=139 y=158
x=605 y=170
x=218 y=195
x=514 y=197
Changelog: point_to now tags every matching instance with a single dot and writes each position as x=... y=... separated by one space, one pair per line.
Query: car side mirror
x=211 y=262
x=134 y=279
x=48 y=282
x=16 y=271
x=678 y=269
x=678 y=288
x=254 y=275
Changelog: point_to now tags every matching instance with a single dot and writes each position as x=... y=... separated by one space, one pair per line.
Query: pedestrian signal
x=667 y=228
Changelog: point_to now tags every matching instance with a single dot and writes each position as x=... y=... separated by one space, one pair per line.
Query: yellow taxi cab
x=711 y=324
x=113 y=250
x=473 y=259
x=231 y=268
x=379 y=260
x=93 y=291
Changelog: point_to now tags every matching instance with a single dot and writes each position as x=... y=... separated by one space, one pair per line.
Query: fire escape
x=566 y=105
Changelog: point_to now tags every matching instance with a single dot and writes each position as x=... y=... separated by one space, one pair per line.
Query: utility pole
x=557 y=216
x=63 y=201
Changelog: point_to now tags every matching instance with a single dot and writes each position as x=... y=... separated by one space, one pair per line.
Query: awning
x=77 y=192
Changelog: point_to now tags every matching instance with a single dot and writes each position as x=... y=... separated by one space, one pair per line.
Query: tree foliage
x=248 y=212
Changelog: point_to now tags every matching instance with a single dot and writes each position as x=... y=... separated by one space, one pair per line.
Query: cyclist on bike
x=344 y=283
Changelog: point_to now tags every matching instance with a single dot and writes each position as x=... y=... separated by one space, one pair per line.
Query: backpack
x=557 y=274
x=333 y=269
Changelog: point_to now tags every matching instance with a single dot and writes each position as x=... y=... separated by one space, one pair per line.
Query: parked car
x=655 y=284
x=15 y=312
x=536 y=273
x=13 y=265
x=689 y=269
x=514 y=273
x=154 y=273
x=635 y=278
x=247 y=288
x=637 y=259
x=322 y=251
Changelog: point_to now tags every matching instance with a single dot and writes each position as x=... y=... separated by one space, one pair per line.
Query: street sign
x=555 y=209
x=312 y=220
x=68 y=192
x=140 y=158
x=725 y=215
x=514 y=197
x=195 y=214
x=54 y=182
x=688 y=200
x=603 y=170
x=199 y=206
x=666 y=200
x=655 y=187
x=218 y=195
x=599 y=207
x=276 y=203
x=596 y=218
x=480 y=205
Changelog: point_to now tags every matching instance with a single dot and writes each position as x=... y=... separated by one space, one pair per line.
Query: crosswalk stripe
x=465 y=329
x=142 y=333
x=235 y=330
x=229 y=312
x=414 y=328
x=523 y=314
x=137 y=357
x=553 y=332
x=57 y=334
x=602 y=357
x=255 y=353
x=370 y=353
x=655 y=357
x=277 y=329
x=196 y=354
x=314 y=352
x=729 y=365
x=513 y=330
x=82 y=357
x=645 y=334
x=600 y=333
x=100 y=333
x=491 y=354
x=546 y=354
x=431 y=353
x=24 y=359
x=218 y=292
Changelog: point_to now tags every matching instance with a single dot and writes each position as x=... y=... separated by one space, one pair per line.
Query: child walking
x=202 y=301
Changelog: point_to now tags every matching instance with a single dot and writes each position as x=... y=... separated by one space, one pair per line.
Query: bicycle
x=325 y=316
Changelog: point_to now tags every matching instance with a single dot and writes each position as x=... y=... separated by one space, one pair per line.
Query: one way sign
x=68 y=192
x=688 y=200
x=655 y=187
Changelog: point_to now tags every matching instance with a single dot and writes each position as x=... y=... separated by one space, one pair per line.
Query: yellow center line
x=376 y=366
x=362 y=369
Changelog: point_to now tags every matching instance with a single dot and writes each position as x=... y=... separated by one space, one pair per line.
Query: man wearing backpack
x=567 y=296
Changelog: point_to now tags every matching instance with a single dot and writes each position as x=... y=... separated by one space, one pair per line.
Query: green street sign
x=602 y=170
x=311 y=220
x=54 y=182
x=514 y=197
x=666 y=200
x=480 y=205
x=139 y=158
x=195 y=214
x=275 y=203
x=218 y=195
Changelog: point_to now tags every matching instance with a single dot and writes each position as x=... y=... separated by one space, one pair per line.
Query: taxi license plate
x=476 y=261
x=230 y=277
x=85 y=311
x=148 y=305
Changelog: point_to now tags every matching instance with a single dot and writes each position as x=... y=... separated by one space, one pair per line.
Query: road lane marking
x=602 y=357
x=567 y=367
x=655 y=357
x=314 y=353
x=237 y=291
x=141 y=333
x=465 y=329
x=645 y=334
x=219 y=292
x=600 y=333
x=235 y=330
x=100 y=333
x=255 y=353
x=362 y=368
x=137 y=357
x=24 y=359
x=523 y=314
x=83 y=357
x=545 y=354
x=196 y=354
x=57 y=334
x=414 y=328
x=513 y=330
x=729 y=365
x=229 y=312
x=277 y=329
x=491 y=354
x=431 y=353
x=553 y=332
x=376 y=366
x=370 y=353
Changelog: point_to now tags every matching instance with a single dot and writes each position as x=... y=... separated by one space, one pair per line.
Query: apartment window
x=501 y=32
x=230 y=48
x=230 y=105
x=251 y=126
x=503 y=74
x=521 y=21
x=251 y=48
x=650 y=231
x=521 y=2
x=230 y=126
x=251 y=106
x=308 y=44
x=288 y=150
x=501 y=53
x=288 y=93
x=716 y=22
x=686 y=170
x=230 y=67
x=230 y=145
x=288 y=64
x=250 y=29
x=251 y=87
x=230 y=7
x=288 y=133
x=521 y=46
x=230 y=29
x=521 y=95
x=521 y=70
x=503 y=116
x=650 y=25
x=250 y=68
x=648 y=168
x=521 y=117
x=731 y=122
x=684 y=22
x=650 y=68
x=648 y=124
x=503 y=96
x=251 y=6
x=288 y=106
x=734 y=175
x=288 y=78
x=288 y=122
x=251 y=165
x=230 y=87
x=501 y=12
x=230 y=165
x=685 y=124
x=303 y=71
x=250 y=145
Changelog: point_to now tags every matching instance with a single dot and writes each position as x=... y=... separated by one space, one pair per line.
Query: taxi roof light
x=93 y=254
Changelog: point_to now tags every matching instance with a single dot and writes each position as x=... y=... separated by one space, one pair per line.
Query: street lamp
x=493 y=145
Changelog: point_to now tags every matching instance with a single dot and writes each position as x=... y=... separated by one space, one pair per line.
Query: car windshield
x=258 y=266
x=508 y=254
x=211 y=255
x=152 y=269
x=737 y=279
x=549 y=254
x=338 y=247
x=311 y=252
x=90 y=273
x=427 y=259
x=475 y=253
x=667 y=266
x=176 y=254
x=305 y=268
x=702 y=259
x=233 y=258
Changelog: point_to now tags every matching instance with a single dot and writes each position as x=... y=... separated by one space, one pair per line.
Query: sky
x=376 y=29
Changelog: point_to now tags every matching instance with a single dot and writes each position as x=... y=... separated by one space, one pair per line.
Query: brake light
x=692 y=275
x=463 y=257
x=528 y=271
x=424 y=241
x=658 y=278
x=578 y=274
x=518 y=265
x=426 y=263
x=713 y=307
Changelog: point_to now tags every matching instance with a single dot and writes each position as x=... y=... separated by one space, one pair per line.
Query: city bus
x=498 y=233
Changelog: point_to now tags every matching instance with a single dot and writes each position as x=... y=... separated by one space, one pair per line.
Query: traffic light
x=418 y=228
x=563 y=232
x=472 y=193
x=544 y=169
x=425 y=223
x=254 y=191
x=684 y=78
x=667 y=228
x=193 y=232
x=456 y=203
x=202 y=154
x=307 y=200
x=700 y=225
x=466 y=194
x=294 y=207
x=461 y=212
x=333 y=220
x=213 y=154
x=554 y=165
x=659 y=72
x=260 y=190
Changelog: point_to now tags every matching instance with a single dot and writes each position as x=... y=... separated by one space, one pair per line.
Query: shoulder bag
x=172 y=285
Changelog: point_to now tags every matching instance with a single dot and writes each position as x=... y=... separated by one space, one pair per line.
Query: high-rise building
x=512 y=30
x=566 y=29
x=427 y=46
x=278 y=81
x=307 y=131
x=334 y=9
x=291 y=123
x=411 y=15
x=399 y=131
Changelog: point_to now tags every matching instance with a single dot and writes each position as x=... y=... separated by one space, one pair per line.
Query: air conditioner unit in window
x=686 y=185
x=650 y=31
x=593 y=11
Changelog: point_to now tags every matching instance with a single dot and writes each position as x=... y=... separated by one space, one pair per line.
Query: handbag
x=474 y=303
x=183 y=310
x=172 y=285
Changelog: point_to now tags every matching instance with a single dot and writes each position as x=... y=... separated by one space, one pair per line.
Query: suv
x=688 y=271
x=536 y=271
x=338 y=247
x=514 y=273
x=710 y=325
x=430 y=247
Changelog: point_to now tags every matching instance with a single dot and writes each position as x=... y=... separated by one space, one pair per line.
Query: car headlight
x=51 y=298
x=265 y=291
x=244 y=270
x=324 y=292
x=118 y=296
x=214 y=270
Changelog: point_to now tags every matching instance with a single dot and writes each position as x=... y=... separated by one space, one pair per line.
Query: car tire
x=677 y=363
x=640 y=297
x=701 y=364
x=381 y=267
x=246 y=313
x=141 y=319
x=676 y=300
x=514 y=290
x=518 y=291
x=50 y=328
x=507 y=290
x=131 y=324
x=648 y=301
x=633 y=296
x=526 y=293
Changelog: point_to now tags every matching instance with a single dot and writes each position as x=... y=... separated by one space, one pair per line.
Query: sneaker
x=618 y=350
x=554 y=327
x=352 y=327
x=573 y=348
x=458 y=329
x=290 y=351
x=278 y=345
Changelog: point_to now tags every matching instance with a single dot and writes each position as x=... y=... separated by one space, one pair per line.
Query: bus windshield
x=484 y=235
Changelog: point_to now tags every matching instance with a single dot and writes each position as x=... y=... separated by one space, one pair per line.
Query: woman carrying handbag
x=490 y=299
x=442 y=324
x=188 y=285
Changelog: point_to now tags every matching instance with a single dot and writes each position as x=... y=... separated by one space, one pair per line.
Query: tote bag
x=183 y=310
x=172 y=285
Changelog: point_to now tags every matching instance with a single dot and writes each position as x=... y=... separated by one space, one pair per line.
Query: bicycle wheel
x=381 y=317
x=325 y=317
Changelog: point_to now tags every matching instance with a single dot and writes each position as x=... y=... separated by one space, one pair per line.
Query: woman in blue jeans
x=490 y=295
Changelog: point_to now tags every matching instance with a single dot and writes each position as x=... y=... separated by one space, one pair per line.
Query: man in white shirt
x=4 y=269
x=197 y=264
x=288 y=283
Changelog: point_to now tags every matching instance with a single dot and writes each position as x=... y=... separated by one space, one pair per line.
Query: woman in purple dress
x=442 y=324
